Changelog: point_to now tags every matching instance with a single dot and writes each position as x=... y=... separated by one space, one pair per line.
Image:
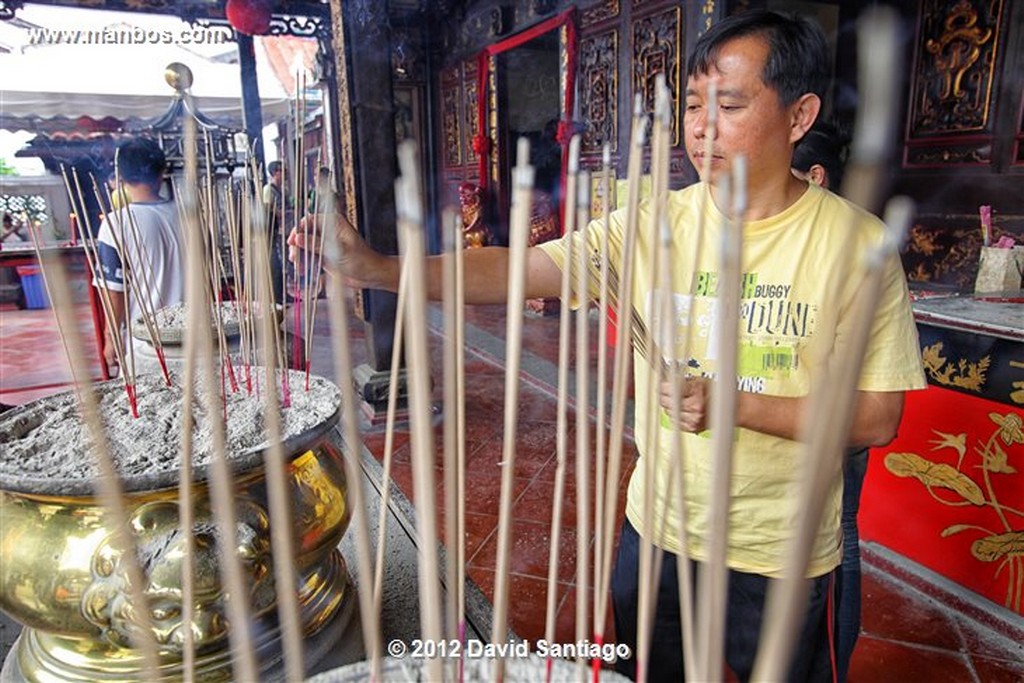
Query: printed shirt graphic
x=800 y=278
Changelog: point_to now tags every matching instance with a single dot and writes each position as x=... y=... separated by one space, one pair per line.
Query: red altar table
x=948 y=493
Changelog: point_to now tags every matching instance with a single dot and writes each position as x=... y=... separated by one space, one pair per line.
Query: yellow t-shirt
x=800 y=277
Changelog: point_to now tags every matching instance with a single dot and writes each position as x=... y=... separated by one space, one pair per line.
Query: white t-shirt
x=155 y=247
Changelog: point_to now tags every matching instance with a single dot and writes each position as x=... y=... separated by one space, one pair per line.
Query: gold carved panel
x=606 y=9
x=451 y=116
x=954 y=68
x=657 y=42
x=598 y=87
x=472 y=93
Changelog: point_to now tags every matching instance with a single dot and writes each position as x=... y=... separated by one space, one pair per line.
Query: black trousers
x=812 y=662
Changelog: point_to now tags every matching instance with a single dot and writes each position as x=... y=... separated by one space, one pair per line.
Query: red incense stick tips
x=231 y=372
x=163 y=364
x=130 y=390
x=297 y=327
x=596 y=664
x=286 y=394
x=223 y=394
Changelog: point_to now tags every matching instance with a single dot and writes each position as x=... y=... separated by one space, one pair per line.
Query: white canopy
x=39 y=82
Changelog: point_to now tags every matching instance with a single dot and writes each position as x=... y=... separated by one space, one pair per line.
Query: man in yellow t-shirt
x=797 y=293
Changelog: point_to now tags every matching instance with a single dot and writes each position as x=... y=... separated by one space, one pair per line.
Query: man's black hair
x=140 y=160
x=823 y=144
x=797 y=60
x=273 y=167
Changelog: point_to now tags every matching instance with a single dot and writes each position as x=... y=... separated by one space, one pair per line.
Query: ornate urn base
x=64 y=580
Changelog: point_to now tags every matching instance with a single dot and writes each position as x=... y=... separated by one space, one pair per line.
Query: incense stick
x=460 y=431
x=519 y=230
x=282 y=539
x=831 y=414
x=832 y=396
x=216 y=268
x=221 y=484
x=600 y=431
x=412 y=242
x=561 y=427
x=453 y=486
x=186 y=511
x=389 y=438
x=107 y=302
x=714 y=577
x=582 y=421
x=683 y=567
x=647 y=579
x=622 y=360
x=369 y=617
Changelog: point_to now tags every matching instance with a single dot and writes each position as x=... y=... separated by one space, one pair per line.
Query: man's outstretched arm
x=485 y=272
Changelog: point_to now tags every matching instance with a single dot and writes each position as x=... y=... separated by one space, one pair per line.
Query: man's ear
x=818 y=175
x=805 y=111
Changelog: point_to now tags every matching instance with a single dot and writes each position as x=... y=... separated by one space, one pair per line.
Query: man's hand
x=355 y=260
x=693 y=405
x=110 y=354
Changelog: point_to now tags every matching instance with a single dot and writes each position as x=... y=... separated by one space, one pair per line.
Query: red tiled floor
x=535 y=503
x=32 y=358
x=534 y=448
x=567 y=617
x=530 y=551
x=878 y=660
x=480 y=529
x=890 y=612
x=998 y=670
x=979 y=643
x=527 y=610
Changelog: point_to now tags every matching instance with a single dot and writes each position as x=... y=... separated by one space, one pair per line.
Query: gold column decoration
x=468 y=113
x=707 y=16
x=451 y=116
x=492 y=120
x=346 y=157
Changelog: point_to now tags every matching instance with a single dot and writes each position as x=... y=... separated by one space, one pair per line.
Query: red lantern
x=251 y=17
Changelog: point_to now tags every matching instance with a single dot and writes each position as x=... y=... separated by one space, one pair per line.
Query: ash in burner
x=176 y=317
x=172 y=321
x=47 y=448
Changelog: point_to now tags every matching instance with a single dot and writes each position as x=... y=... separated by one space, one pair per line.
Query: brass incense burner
x=61 y=578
